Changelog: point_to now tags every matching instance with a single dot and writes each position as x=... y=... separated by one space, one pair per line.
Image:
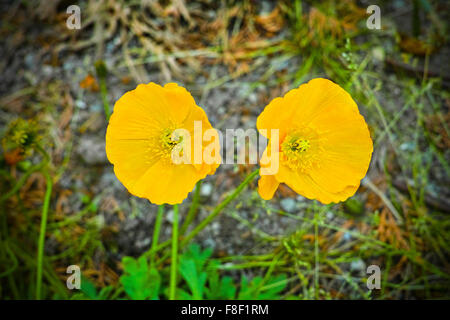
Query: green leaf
x=139 y=280
x=195 y=253
x=248 y=290
x=227 y=289
x=191 y=268
x=196 y=280
x=88 y=288
x=219 y=288
x=183 y=295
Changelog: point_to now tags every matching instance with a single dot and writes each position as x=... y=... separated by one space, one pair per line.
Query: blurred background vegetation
x=60 y=200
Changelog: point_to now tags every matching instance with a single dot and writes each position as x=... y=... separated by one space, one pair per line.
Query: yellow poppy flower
x=140 y=142
x=323 y=146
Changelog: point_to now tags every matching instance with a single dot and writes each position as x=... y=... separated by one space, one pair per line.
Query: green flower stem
x=41 y=242
x=208 y=219
x=211 y=217
x=193 y=209
x=316 y=255
x=173 y=266
x=104 y=94
x=102 y=72
x=220 y=207
x=156 y=230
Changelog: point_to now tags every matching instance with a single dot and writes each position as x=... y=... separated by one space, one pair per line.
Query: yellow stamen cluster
x=298 y=151
x=168 y=141
x=161 y=145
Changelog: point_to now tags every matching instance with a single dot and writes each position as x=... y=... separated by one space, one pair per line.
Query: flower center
x=300 y=150
x=161 y=146
x=295 y=145
x=169 y=140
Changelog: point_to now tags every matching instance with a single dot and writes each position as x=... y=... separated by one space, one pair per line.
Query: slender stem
x=208 y=219
x=156 y=230
x=173 y=266
x=102 y=71
x=193 y=209
x=220 y=207
x=104 y=94
x=270 y=270
x=252 y=264
x=316 y=255
x=41 y=242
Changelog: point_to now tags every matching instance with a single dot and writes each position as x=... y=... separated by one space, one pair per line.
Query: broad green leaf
x=88 y=288
x=219 y=288
x=196 y=280
x=195 y=253
x=139 y=280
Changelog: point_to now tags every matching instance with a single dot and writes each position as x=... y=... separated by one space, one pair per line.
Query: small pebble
x=92 y=150
x=143 y=243
x=357 y=265
x=96 y=107
x=330 y=215
x=347 y=236
x=47 y=70
x=80 y=104
x=253 y=98
x=288 y=204
x=169 y=216
x=29 y=60
x=215 y=227
x=210 y=243
x=206 y=190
